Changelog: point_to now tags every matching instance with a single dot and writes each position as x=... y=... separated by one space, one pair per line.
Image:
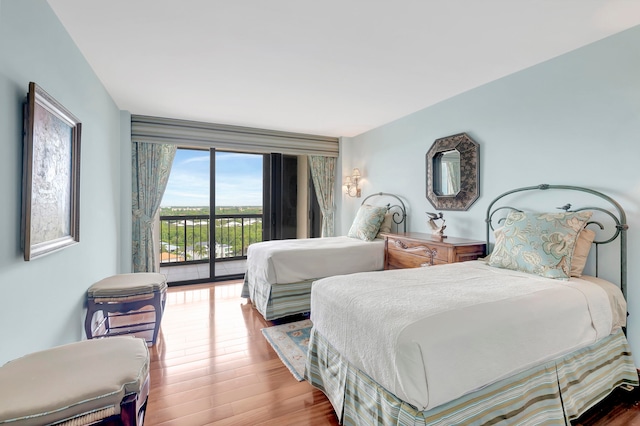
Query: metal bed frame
x=399 y=210
x=620 y=221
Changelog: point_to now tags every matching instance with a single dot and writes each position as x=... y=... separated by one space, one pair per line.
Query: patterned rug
x=290 y=341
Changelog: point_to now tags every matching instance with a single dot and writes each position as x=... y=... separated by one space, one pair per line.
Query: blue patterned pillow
x=367 y=222
x=538 y=243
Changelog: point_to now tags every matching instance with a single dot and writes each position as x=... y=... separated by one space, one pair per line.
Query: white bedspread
x=430 y=335
x=290 y=261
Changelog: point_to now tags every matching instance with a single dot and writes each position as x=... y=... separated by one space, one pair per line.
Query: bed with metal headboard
x=486 y=341
x=396 y=208
x=280 y=272
x=609 y=219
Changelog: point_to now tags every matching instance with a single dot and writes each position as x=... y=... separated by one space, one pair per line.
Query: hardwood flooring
x=212 y=366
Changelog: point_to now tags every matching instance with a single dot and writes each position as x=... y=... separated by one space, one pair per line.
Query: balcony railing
x=185 y=239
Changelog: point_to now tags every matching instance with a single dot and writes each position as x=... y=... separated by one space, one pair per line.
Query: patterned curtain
x=323 y=173
x=151 y=164
x=453 y=177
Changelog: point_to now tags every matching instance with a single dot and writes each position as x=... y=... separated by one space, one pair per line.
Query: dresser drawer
x=414 y=250
x=413 y=254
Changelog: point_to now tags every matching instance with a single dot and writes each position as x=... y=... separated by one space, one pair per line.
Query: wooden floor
x=212 y=366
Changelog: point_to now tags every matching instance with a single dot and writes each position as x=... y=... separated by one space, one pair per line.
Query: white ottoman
x=102 y=380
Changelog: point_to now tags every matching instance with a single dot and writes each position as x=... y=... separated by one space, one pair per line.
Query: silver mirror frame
x=469 y=172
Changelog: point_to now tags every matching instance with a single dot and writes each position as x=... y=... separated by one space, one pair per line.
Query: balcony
x=185 y=249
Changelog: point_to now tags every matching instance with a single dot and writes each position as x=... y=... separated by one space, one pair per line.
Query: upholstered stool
x=121 y=298
x=93 y=381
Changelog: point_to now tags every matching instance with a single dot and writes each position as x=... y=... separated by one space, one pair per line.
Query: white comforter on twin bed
x=430 y=335
x=291 y=261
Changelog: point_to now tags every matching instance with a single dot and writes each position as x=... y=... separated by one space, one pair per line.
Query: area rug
x=290 y=341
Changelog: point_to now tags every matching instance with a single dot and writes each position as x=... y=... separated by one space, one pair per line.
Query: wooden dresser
x=415 y=249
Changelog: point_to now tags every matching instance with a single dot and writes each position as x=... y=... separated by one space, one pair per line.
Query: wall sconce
x=351 y=184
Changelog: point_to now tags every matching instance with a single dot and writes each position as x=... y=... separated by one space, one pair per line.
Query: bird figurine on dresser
x=436 y=229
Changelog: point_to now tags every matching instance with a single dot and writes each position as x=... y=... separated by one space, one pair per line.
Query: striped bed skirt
x=552 y=393
x=275 y=301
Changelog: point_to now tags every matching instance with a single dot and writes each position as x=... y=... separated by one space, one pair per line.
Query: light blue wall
x=572 y=120
x=41 y=301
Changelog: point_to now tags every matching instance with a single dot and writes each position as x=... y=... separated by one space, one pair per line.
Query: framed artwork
x=51 y=176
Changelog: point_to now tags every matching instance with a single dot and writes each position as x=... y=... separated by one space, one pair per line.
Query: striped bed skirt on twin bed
x=552 y=393
x=275 y=301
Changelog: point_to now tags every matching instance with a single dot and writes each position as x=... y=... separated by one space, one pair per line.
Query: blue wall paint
x=571 y=120
x=41 y=301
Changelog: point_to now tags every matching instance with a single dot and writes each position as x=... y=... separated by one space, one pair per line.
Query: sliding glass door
x=237 y=214
x=210 y=213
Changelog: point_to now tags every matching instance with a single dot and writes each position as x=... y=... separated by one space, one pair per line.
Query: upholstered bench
x=122 y=297
x=101 y=380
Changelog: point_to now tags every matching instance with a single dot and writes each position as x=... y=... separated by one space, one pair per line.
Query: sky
x=238 y=179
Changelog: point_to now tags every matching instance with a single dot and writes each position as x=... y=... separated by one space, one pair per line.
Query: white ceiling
x=328 y=67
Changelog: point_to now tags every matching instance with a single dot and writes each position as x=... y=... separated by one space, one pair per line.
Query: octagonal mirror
x=453 y=172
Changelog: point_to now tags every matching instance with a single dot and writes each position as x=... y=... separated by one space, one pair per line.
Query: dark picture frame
x=50 y=175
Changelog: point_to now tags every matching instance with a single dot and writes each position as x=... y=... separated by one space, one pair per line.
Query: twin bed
x=280 y=272
x=522 y=337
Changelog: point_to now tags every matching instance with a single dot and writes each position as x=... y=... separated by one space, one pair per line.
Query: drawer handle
x=401 y=245
x=429 y=252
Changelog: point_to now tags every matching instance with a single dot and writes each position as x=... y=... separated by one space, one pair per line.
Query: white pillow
x=581 y=251
x=385 y=226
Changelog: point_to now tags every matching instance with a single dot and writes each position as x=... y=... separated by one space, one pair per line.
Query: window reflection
x=446 y=180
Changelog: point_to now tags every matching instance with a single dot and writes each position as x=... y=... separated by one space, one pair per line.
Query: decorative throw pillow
x=541 y=244
x=496 y=236
x=367 y=222
x=581 y=252
x=385 y=226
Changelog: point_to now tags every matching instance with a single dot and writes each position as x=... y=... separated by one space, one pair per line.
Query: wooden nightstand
x=415 y=249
